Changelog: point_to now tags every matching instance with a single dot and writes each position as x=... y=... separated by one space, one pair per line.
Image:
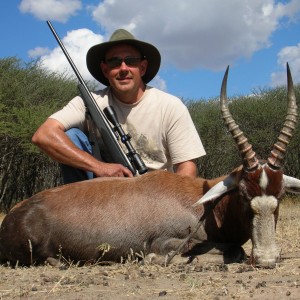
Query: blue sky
x=197 y=38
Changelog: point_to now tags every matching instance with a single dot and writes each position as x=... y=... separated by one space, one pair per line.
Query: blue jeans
x=71 y=174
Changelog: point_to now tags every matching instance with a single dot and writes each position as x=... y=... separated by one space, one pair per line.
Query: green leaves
x=259 y=116
x=28 y=95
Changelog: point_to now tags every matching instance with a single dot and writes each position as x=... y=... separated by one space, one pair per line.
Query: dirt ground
x=134 y=281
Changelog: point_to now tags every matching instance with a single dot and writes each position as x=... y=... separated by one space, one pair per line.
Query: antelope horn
x=279 y=148
x=250 y=161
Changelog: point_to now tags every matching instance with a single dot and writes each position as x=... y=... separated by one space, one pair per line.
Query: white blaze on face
x=265 y=251
x=263 y=182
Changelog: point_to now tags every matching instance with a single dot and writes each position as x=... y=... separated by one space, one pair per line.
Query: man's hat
x=96 y=54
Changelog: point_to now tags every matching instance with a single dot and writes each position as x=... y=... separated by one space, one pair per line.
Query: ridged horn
x=250 y=160
x=279 y=148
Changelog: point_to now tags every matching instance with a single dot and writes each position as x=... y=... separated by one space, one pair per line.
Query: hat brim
x=96 y=54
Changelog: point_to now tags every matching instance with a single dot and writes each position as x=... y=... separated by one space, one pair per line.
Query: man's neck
x=130 y=97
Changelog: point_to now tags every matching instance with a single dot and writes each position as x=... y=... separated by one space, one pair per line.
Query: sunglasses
x=130 y=61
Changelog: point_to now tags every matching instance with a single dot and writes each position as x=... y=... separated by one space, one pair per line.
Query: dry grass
x=288 y=230
x=1 y=217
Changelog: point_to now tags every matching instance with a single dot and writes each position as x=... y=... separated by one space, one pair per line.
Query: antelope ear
x=292 y=184
x=228 y=184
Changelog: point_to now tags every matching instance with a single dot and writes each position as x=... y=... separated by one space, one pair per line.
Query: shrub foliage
x=28 y=95
x=260 y=117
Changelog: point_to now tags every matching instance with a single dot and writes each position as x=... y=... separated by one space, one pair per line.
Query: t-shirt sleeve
x=72 y=115
x=183 y=139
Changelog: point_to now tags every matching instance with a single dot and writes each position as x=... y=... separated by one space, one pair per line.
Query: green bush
x=260 y=117
x=28 y=95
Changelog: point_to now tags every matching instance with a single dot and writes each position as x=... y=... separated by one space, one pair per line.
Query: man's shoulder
x=162 y=96
x=102 y=97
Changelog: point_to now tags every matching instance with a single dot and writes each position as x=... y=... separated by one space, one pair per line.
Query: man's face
x=124 y=68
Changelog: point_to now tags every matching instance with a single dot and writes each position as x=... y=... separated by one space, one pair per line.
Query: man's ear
x=143 y=68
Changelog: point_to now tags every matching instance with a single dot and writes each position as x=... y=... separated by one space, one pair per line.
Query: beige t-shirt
x=160 y=125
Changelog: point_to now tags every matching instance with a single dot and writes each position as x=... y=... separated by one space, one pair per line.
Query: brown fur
x=150 y=213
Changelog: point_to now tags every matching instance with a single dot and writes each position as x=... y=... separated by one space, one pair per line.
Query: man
x=160 y=126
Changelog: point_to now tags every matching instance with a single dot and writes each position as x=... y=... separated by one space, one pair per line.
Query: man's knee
x=73 y=133
x=81 y=141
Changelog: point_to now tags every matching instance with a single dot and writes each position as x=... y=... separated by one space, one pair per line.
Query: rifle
x=109 y=135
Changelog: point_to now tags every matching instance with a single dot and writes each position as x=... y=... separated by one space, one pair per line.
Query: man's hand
x=111 y=170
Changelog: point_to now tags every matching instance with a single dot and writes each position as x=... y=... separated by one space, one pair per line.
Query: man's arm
x=51 y=138
x=188 y=168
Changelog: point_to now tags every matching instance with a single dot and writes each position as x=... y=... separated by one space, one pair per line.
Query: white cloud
x=159 y=83
x=189 y=34
x=199 y=33
x=292 y=56
x=38 y=52
x=56 y=10
x=77 y=43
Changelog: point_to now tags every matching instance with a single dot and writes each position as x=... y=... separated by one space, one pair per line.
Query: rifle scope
x=133 y=156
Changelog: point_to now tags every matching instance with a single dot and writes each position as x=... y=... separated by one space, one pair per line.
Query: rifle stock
x=115 y=151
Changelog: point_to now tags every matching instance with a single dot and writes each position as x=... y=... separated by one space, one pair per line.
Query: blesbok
x=105 y=218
